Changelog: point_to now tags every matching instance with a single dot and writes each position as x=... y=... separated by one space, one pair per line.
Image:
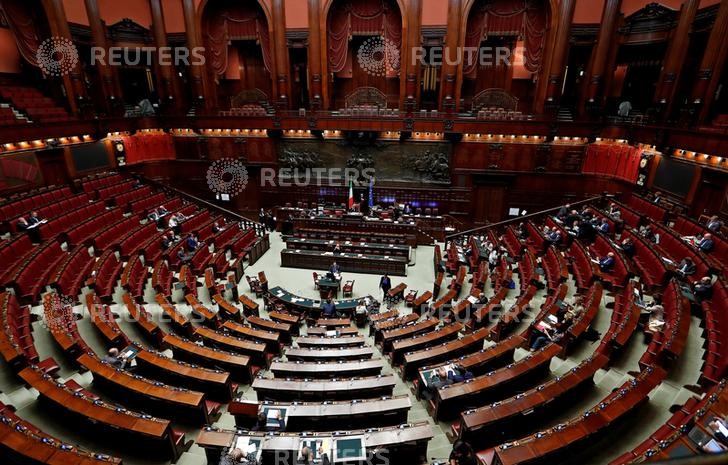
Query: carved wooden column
x=560 y=53
x=108 y=75
x=410 y=66
x=72 y=81
x=712 y=65
x=280 y=50
x=450 y=72
x=314 y=53
x=164 y=67
x=594 y=92
x=675 y=57
x=197 y=70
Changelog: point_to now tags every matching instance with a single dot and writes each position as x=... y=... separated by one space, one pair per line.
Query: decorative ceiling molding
x=127 y=30
x=650 y=19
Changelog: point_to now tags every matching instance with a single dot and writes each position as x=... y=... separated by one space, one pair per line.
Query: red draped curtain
x=349 y=18
x=22 y=18
x=614 y=160
x=225 y=21
x=526 y=19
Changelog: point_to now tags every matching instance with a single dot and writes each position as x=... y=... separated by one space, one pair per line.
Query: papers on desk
x=328 y=253
x=472 y=299
x=552 y=319
x=332 y=333
x=250 y=446
x=594 y=261
x=543 y=326
x=668 y=261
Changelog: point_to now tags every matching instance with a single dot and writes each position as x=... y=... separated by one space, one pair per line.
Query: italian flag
x=351 y=195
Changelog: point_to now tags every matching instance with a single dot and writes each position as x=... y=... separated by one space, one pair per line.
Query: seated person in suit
x=714 y=224
x=168 y=240
x=606 y=264
x=459 y=374
x=440 y=379
x=604 y=226
x=649 y=234
x=24 y=226
x=192 y=242
x=112 y=358
x=34 y=218
x=703 y=289
x=686 y=268
x=232 y=457
x=305 y=457
x=554 y=236
x=216 y=228
x=706 y=244
x=719 y=429
x=335 y=270
x=628 y=247
x=261 y=423
x=328 y=309
x=337 y=249
x=183 y=256
x=462 y=454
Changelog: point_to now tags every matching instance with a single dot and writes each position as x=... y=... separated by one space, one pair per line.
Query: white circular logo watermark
x=57 y=56
x=227 y=176
x=60 y=312
x=376 y=55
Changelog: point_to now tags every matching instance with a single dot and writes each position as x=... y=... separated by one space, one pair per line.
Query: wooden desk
x=512 y=417
x=215 y=383
x=238 y=365
x=342 y=369
x=180 y=404
x=396 y=445
x=388 y=325
x=401 y=346
x=353 y=388
x=306 y=306
x=388 y=337
x=353 y=247
x=144 y=320
x=343 y=341
x=22 y=445
x=333 y=323
x=378 y=317
x=250 y=307
x=337 y=227
x=255 y=350
x=283 y=329
x=488 y=387
x=328 y=416
x=154 y=432
x=321 y=331
x=228 y=309
x=315 y=354
x=469 y=343
x=538 y=448
x=349 y=263
x=269 y=338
